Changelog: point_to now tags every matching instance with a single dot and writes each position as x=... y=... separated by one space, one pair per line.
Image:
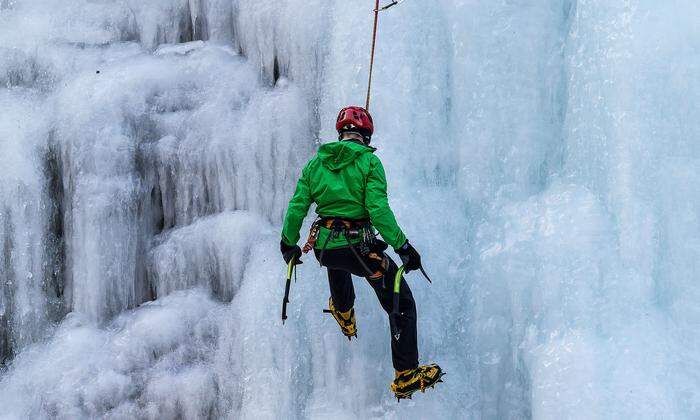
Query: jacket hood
x=340 y=154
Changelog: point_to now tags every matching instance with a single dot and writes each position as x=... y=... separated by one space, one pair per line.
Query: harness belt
x=348 y=228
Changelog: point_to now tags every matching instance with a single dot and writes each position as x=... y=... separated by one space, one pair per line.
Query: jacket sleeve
x=297 y=210
x=377 y=204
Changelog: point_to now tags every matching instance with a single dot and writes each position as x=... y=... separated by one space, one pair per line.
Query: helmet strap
x=364 y=139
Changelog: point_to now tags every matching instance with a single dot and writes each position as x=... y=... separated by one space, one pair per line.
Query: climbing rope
x=371 y=59
x=377 y=9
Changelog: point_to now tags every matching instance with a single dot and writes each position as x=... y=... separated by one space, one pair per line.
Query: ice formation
x=542 y=156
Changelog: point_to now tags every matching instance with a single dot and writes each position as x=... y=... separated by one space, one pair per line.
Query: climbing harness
x=352 y=229
x=376 y=11
x=349 y=229
x=291 y=267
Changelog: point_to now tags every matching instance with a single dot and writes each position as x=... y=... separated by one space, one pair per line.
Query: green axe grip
x=394 y=315
x=397 y=279
x=290 y=267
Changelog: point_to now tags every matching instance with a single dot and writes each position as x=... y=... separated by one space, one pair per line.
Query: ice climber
x=347 y=183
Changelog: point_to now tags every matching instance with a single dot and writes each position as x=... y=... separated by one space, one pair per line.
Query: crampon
x=346 y=320
x=419 y=379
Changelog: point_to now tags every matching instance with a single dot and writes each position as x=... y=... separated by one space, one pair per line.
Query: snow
x=542 y=157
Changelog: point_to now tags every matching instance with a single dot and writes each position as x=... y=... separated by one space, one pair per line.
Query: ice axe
x=394 y=315
x=291 y=267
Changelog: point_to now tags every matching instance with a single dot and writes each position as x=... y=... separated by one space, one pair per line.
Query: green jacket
x=345 y=179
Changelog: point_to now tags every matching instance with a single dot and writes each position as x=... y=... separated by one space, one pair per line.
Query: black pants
x=341 y=263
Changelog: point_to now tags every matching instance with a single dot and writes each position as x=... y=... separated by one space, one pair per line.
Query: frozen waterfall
x=543 y=155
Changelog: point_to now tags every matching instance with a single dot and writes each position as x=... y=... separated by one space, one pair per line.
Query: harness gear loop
x=313 y=237
x=359 y=258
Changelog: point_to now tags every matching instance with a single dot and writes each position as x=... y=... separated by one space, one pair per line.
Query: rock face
x=542 y=156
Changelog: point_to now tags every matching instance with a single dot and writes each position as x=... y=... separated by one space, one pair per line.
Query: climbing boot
x=419 y=379
x=346 y=320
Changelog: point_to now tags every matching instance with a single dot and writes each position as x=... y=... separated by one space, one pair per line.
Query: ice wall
x=581 y=266
x=541 y=155
x=29 y=291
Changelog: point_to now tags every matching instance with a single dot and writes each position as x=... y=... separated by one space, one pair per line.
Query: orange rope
x=371 y=60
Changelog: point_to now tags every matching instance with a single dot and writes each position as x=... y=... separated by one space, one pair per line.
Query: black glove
x=409 y=256
x=289 y=252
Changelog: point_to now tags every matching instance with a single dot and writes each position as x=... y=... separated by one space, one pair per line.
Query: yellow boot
x=346 y=320
x=409 y=381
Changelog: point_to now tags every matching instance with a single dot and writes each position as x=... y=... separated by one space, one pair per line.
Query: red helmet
x=355 y=118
